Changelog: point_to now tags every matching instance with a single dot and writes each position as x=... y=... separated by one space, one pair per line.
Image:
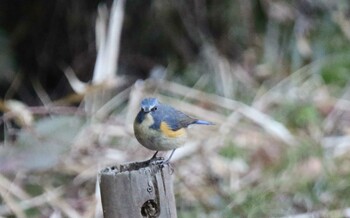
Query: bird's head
x=149 y=104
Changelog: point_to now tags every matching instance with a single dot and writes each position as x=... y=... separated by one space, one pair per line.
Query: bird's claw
x=156 y=160
x=161 y=162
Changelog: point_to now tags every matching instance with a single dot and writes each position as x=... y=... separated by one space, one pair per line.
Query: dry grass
x=249 y=163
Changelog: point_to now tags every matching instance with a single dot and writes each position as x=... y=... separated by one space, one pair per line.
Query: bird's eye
x=142 y=109
x=154 y=109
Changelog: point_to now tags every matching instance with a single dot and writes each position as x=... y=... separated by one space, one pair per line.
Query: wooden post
x=140 y=189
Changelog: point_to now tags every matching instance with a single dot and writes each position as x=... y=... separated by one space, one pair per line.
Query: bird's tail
x=203 y=122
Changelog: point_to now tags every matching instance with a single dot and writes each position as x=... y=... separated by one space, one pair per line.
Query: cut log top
x=138 y=189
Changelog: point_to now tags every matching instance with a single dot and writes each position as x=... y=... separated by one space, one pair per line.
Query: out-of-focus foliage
x=41 y=146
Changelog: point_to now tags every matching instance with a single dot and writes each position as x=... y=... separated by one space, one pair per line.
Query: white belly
x=154 y=139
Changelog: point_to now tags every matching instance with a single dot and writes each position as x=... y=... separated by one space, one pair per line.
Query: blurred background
x=273 y=75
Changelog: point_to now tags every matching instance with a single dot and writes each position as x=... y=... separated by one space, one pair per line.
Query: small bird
x=160 y=127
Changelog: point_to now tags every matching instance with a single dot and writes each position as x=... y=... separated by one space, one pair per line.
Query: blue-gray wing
x=176 y=119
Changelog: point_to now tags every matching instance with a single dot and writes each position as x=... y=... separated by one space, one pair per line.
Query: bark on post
x=140 y=189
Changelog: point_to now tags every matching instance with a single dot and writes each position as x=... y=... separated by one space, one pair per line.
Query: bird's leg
x=168 y=160
x=154 y=156
x=156 y=160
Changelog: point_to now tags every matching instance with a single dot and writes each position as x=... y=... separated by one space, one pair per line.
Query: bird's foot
x=161 y=163
x=170 y=166
x=156 y=160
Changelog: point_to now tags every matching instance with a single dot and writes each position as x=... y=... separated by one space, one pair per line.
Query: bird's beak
x=146 y=109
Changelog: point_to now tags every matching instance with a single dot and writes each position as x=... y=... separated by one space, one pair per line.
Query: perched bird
x=160 y=127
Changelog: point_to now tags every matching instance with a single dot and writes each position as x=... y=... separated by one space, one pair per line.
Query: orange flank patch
x=169 y=132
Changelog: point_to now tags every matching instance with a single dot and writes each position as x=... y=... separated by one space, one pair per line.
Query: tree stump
x=139 y=189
